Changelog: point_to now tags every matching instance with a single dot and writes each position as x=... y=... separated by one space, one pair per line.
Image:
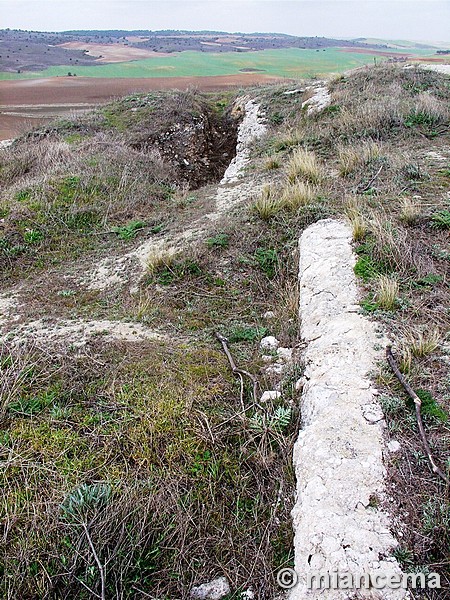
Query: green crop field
x=291 y=62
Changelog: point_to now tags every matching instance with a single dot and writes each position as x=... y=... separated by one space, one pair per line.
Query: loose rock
x=269 y=343
x=214 y=590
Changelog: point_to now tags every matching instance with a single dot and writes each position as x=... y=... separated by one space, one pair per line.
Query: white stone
x=275 y=369
x=296 y=91
x=270 y=395
x=319 y=100
x=445 y=69
x=214 y=590
x=338 y=456
x=268 y=358
x=250 y=129
x=285 y=354
x=268 y=315
x=269 y=343
x=393 y=446
x=6 y=144
x=373 y=414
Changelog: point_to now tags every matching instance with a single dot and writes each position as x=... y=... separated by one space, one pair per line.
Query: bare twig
x=418 y=404
x=239 y=372
x=369 y=185
x=101 y=568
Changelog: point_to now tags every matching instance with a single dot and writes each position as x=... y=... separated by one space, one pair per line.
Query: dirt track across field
x=26 y=103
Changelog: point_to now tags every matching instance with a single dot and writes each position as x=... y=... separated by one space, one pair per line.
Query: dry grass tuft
x=304 y=164
x=410 y=211
x=391 y=244
x=289 y=301
x=353 y=157
x=268 y=204
x=423 y=343
x=160 y=258
x=418 y=343
x=298 y=194
x=430 y=110
x=272 y=164
x=387 y=292
x=357 y=219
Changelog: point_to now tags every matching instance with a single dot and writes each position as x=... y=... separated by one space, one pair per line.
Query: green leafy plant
x=178 y=270
x=33 y=405
x=128 y=231
x=430 y=407
x=23 y=195
x=84 y=499
x=33 y=236
x=428 y=280
x=220 y=240
x=267 y=260
x=246 y=333
x=404 y=556
x=276 y=423
x=441 y=219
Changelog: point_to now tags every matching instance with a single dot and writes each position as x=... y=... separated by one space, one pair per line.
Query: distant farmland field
x=292 y=63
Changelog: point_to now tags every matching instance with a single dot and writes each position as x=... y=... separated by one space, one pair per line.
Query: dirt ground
x=26 y=103
x=375 y=52
x=113 y=53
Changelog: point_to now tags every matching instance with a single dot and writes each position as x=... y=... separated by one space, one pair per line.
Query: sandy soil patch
x=136 y=39
x=78 y=333
x=112 y=53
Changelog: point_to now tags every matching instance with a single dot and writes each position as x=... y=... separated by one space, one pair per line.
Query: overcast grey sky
x=398 y=19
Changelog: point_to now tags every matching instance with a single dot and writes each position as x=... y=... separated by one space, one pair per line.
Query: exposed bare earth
x=112 y=53
x=375 y=52
x=29 y=102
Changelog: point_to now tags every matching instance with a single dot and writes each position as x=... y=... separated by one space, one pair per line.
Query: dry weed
x=387 y=292
x=304 y=164
x=298 y=194
x=268 y=204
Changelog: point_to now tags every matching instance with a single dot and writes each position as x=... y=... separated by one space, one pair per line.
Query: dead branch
x=239 y=372
x=369 y=185
x=101 y=568
x=418 y=404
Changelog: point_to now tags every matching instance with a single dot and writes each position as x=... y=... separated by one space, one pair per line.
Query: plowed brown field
x=27 y=102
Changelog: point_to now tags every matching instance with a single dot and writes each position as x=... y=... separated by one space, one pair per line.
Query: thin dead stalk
x=369 y=185
x=418 y=404
x=101 y=568
x=239 y=372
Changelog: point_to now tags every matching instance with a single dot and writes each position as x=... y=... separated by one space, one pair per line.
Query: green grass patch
x=289 y=62
x=430 y=407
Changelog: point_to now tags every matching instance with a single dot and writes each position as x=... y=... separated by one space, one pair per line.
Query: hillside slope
x=135 y=461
